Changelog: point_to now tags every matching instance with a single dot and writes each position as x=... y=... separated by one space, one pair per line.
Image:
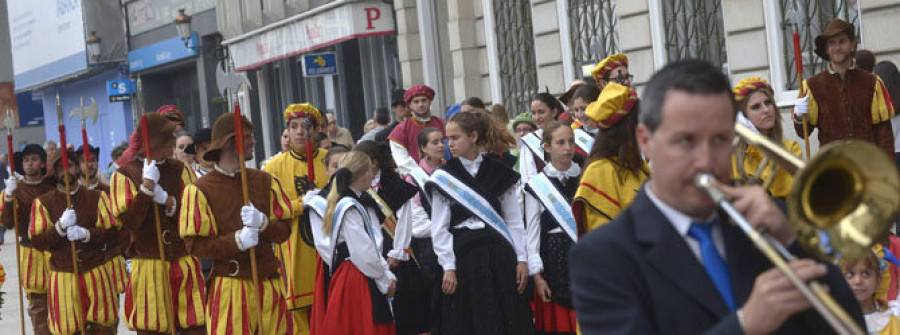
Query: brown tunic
x=24 y=195
x=223 y=196
x=90 y=254
x=139 y=219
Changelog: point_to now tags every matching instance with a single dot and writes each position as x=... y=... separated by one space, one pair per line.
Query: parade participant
x=401 y=113
x=394 y=197
x=302 y=169
x=114 y=248
x=612 y=69
x=843 y=101
x=756 y=102
x=139 y=187
x=431 y=143
x=216 y=225
x=344 y=220
x=184 y=140
x=868 y=278
x=337 y=134
x=551 y=231
x=615 y=168
x=403 y=137
x=566 y=98
x=89 y=224
x=670 y=246
x=201 y=144
x=523 y=125
x=172 y=113
x=332 y=158
x=478 y=233
x=544 y=108
x=31 y=162
x=587 y=129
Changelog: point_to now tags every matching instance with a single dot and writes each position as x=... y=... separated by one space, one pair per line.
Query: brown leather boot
x=37 y=310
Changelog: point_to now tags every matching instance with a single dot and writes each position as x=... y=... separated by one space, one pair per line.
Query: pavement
x=9 y=312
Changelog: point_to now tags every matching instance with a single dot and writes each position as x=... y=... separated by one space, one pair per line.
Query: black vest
x=492 y=180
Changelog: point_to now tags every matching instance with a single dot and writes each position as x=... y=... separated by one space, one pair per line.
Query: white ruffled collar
x=876 y=321
x=573 y=172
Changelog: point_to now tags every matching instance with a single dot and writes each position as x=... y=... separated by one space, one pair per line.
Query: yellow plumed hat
x=302 y=110
x=613 y=104
x=608 y=64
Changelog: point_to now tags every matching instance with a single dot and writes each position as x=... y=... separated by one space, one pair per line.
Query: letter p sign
x=372 y=14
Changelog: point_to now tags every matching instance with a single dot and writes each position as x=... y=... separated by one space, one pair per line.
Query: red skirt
x=320 y=298
x=349 y=309
x=550 y=317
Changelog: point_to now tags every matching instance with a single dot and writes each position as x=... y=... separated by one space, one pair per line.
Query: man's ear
x=643 y=136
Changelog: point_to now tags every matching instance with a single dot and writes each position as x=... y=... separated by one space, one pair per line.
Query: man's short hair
x=382 y=116
x=691 y=76
x=397 y=97
x=474 y=102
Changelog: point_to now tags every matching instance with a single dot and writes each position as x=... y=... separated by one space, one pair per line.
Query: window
x=592 y=31
x=813 y=16
x=515 y=50
x=694 y=29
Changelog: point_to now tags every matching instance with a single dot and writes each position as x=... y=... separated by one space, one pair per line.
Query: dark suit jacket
x=636 y=275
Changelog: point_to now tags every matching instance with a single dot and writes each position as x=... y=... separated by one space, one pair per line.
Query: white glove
x=159 y=195
x=67 y=219
x=801 y=107
x=252 y=217
x=151 y=171
x=247 y=238
x=78 y=233
x=744 y=121
x=11 y=184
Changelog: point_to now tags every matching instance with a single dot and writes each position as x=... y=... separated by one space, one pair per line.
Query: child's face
x=862 y=280
x=562 y=147
x=333 y=163
x=434 y=149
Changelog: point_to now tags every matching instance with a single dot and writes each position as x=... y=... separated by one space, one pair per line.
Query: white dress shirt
x=682 y=223
x=533 y=211
x=440 y=218
x=364 y=254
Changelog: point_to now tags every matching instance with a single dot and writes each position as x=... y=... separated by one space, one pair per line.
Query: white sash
x=473 y=201
x=584 y=140
x=340 y=210
x=533 y=143
x=420 y=177
x=555 y=203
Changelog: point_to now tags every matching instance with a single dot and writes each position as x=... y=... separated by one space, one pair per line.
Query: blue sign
x=317 y=65
x=160 y=53
x=120 y=90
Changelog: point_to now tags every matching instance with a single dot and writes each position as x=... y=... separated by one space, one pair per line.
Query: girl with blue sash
x=478 y=233
x=345 y=228
x=551 y=231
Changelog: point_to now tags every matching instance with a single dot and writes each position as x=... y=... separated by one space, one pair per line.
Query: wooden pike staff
x=79 y=313
x=798 y=63
x=239 y=141
x=10 y=124
x=145 y=137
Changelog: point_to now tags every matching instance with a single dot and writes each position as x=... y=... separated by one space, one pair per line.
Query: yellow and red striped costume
x=144 y=309
x=32 y=262
x=115 y=263
x=97 y=295
x=602 y=195
x=298 y=259
x=210 y=217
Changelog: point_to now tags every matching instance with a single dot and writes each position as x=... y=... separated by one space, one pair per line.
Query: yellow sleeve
x=196 y=217
x=122 y=193
x=593 y=219
x=793 y=147
x=813 y=105
x=40 y=219
x=281 y=207
x=105 y=218
x=599 y=191
x=188 y=176
x=882 y=105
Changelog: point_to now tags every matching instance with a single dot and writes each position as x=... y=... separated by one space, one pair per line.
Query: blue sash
x=555 y=203
x=584 y=140
x=473 y=201
x=533 y=143
x=420 y=177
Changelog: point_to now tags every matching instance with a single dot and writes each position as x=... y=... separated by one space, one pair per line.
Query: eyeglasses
x=621 y=79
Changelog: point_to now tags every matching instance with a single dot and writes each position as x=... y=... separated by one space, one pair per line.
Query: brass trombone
x=841 y=201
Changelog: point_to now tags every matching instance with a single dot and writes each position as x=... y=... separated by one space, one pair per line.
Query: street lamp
x=93 y=46
x=183 y=25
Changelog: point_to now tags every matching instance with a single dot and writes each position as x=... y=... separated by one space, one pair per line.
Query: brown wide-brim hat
x=834 y=28
x=566 y=97
x=222 y=131
x=160 y=129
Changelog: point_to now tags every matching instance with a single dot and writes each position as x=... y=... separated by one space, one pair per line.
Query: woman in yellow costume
x=615 y=167
x=756 y=104
x=300 y=170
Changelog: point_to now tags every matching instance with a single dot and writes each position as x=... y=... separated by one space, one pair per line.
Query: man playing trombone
x=671 y=263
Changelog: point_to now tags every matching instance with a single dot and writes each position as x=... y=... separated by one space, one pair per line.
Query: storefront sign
x=146 y=15
x=120 y=90
x=317 y=65
x=353 y=20
x=160 y=53
x=47 y=40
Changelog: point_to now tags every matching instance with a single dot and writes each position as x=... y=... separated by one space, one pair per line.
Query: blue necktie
x=715 y=266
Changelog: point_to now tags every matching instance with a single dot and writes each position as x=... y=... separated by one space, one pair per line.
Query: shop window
x=694 y=29
x=592 y=31
x=812 y=16
x=515 y=50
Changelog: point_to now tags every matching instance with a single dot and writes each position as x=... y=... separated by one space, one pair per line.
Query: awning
x=304 y=33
